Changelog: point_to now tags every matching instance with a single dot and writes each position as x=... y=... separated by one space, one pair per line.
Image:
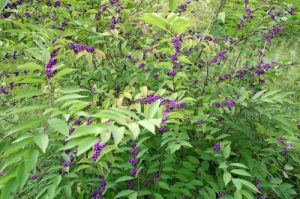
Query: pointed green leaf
x=240 y=172
x=118 y=134
x=134 y=129
x=147 y=125
x=59 y=125
x=86 y=144
x=226 y=178
x=41 y=140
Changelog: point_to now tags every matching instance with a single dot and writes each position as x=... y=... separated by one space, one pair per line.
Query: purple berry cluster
x=149 y=99
x=183 y=7
x=218 y=58
x=70 y=157
x=99 y=191
x=39 y=172
x=118 y=7
x=176 y=41
x=8 y=10
x=217 y=147
x=170 y=104
x=114 y=22
x=248 y=16
x=3 y=90
x=273 y=32
x=98 y=147
x=49 y=68
x=221 y=194
x=287 y=146
x=133 y=160
x=258 y=187
x=80 y=47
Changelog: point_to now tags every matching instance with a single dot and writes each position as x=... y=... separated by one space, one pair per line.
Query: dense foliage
x=149 y=99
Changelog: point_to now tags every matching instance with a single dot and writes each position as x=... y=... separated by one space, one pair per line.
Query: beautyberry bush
x=149 y=99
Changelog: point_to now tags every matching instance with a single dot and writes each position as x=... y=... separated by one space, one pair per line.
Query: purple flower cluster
x=99 y=191
x=97 y=150
x=80 y=47
x=133 y=160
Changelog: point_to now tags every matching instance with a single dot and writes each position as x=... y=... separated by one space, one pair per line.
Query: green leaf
x=31 y=158
x=118 y=134
x=25 y=109
x=238 y=194
x=133 y=195
x=155 y=19
x=158 y=196
x=8 y=189
x=163 y=185
x=153 y=109
x=69 y=97
x=31 y=66
x=237 y=183
x=221 y=16
x=106 y=150
x=63 y=72
x=59 y=125
x=86 y=144
x=247 y=194
x=134 y=129
x=41 y=141
x=249 y=185
x=147 y=125
x=113 y=115
x=26 y=93
x=3 y=4
x=22 y=175
x=90 y=129
x=124 y=178
x=71 y=89
x=238 y=165
x=173 y=5
x=26 y=124
x=226 y=178
x=124 y=193
x=240 y=172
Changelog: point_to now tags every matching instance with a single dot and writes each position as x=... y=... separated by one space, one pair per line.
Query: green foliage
x=149 y=99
